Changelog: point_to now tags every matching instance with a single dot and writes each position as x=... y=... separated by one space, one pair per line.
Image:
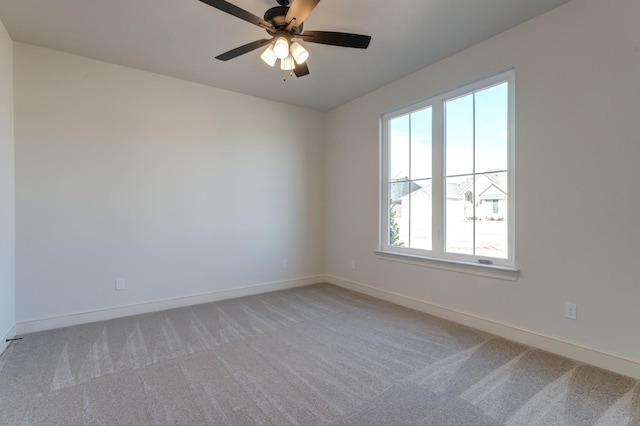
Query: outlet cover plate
x=570 y=310
x=120 y=284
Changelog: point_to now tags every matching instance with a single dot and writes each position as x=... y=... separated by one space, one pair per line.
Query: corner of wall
x=7 y=191
x=10 y=334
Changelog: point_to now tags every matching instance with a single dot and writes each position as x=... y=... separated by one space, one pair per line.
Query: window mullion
x=473 y=176
x=386 y=192
x=438 y=181
x=409 y=212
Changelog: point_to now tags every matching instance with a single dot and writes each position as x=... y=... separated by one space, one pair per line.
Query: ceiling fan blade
x=238 y=12
x=243 y=49
x=357 y=41
x=299 y=11
x=301 y=70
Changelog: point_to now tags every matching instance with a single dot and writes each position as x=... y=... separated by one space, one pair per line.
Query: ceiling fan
x=284 y=24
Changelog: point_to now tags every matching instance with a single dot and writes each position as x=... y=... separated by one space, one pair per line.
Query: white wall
x=182 y=189
x=577 y=152
x=7 y=193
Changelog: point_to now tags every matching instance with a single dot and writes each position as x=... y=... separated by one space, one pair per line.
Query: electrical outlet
x=570 y=310
x=353 y=264
x=285 y=263
x=120 y=284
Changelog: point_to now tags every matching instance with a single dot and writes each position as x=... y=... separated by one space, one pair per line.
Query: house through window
x=448 y=175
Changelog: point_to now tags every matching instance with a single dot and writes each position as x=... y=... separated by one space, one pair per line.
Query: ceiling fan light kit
x=284 y=23
x=269 y=56
x=287 y=64
x=281 y=47
x=299 y=53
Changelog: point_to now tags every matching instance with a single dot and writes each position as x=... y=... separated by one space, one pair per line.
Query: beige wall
x=577 y=141
x=179 y=188
x=7 y=192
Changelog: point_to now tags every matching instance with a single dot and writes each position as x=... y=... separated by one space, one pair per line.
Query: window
x=447 y=175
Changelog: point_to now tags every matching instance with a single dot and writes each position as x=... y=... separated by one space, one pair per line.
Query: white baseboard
x=42 y=324
x=596 y=357
x=10 y=334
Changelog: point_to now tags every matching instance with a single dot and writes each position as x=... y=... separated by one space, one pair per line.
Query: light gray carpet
x=309 y=356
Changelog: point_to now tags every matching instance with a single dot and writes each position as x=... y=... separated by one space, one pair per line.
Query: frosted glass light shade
x=299 y=53
x=287 y=63
x=281 y=47
x=269 y=56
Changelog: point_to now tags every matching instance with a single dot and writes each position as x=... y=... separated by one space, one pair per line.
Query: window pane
x=421 y=144
x=420 y=236
x=460 y=214
x=399 y=211
x=459 y=135
x=492 y=128
x=491 y=210
x=399 y=148
x=473 y=144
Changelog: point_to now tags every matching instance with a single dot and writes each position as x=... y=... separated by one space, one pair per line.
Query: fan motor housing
x=277 y=16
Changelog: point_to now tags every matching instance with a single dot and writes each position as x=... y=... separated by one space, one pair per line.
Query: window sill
x=489 y=271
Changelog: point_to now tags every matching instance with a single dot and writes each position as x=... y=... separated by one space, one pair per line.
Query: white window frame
x=438 y=257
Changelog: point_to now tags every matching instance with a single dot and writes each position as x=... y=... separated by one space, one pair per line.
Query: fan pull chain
x=285 y=77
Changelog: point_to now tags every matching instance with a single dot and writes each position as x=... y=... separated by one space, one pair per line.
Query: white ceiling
x=180 y=38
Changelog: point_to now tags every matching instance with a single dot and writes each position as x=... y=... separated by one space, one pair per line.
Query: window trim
x=488 y=271
x=438 y=256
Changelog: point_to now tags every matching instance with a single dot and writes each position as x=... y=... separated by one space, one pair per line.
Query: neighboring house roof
x=401 y=188
x=489 y=186
x=492 y=193
x=453 y=190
